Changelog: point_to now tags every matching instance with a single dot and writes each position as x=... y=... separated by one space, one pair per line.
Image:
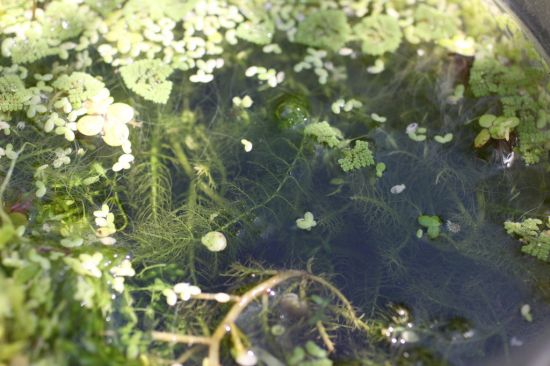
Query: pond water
x=272 y=182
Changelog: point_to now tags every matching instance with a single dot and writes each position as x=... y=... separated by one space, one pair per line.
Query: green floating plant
x=64 y=20
x=418 y=134
x=148 y=78
x=534 y=234
x=432 y=24
x=498 y=128
x=360 y=156
x=324 y=133
x=13 y=94
x=380 y=169
x=379 y=34
x=432 y=224
x=309 y=355
x=173 y=9
x=448 y=137
x=28 y=49
x=326 y=29
x=490 y=77
x=79 y=87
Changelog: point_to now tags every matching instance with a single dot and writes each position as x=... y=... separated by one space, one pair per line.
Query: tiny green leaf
x=487 y=120
x=482 y=138
x=380 y=169
x=444 y=139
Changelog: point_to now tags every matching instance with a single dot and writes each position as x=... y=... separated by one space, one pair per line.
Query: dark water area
x=463 y=290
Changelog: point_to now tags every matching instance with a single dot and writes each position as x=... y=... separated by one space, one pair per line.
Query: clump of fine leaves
x=379 y=34
x=357 y=157
x=534 y=234
x=13 y=94
x=324 y=133
x=148 y=78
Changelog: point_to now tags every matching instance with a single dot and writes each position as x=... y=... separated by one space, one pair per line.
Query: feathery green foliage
x=148 y=78
x=78 y=87
x=534 y=235
x=13 y=94
x=324 y=133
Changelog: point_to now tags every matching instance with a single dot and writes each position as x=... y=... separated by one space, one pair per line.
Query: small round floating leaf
x=502 y=127
x=429 y=221
x=278 y=330
x=120 y=112
x=214 y=241
x=444 y=139
x=307 y=222
x=115 y=133
x=433 y=232
x=487 y=120
x=90 y=125
x=326 y=29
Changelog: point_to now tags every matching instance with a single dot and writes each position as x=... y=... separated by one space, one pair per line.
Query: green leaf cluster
x=327 y=29
x=65 y=20
x=324 y=133
x=78 y=87
x=32 y=48
x=360 y=156
x=13 y=94
x=309 y=355
x=489 y=77
x=498 y=128
x=432 y=224
x=534 y=234
x=148 y=78
x=432 y=24
x=522 y=100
